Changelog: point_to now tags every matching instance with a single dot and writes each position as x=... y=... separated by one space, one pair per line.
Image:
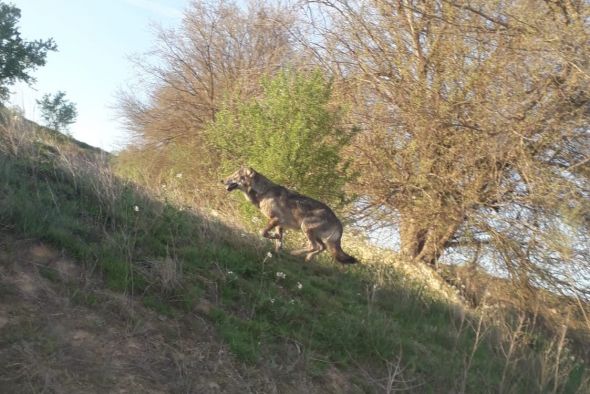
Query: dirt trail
x=61 y=331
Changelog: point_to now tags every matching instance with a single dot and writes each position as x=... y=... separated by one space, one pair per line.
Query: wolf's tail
x=335 y=249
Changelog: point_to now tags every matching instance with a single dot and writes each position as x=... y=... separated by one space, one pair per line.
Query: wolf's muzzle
x=231 y=186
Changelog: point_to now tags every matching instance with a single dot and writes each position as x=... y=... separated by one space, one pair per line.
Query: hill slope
x=106 y=288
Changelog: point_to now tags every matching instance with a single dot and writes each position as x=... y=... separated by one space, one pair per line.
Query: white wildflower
x=292 y=302
x=281 y=275
x=136 y=208
x=272 y=300
x=299 y=285
x=269 y=255
x=179 y=175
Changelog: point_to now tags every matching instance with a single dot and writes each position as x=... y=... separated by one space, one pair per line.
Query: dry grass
x=67 y=333
x=383 y=298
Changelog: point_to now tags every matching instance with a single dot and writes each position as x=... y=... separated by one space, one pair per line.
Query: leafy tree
x=475 y=120
x=290 y=134
x=17 y=56
x=221 y=50
x=57 y=111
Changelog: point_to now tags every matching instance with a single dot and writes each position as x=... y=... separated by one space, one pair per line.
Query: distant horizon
x=95 y=42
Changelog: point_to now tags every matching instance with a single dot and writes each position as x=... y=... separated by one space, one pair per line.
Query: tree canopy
x=18 y=57
x=475 y=119
x=57 y=111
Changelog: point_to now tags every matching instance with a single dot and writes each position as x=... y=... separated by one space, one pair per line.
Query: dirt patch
x=41 y=253
x=25 y=282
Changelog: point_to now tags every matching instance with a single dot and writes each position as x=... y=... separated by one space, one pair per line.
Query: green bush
x=290 y=134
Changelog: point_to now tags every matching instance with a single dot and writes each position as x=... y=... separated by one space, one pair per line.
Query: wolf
x=287 y=209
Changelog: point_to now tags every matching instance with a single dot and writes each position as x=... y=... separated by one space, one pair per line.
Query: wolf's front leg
x=252 y=196
x=279 y=239
x=265 y=232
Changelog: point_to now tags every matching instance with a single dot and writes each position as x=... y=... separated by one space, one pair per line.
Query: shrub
x=291 y=134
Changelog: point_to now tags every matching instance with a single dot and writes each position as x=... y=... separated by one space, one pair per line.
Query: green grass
x=332 y=315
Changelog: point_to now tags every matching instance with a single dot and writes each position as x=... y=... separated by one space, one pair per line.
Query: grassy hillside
x=289 y=326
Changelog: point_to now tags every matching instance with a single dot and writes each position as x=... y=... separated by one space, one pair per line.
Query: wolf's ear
x=249 y=171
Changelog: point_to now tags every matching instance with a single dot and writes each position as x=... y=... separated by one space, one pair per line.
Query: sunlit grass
x=268 y=308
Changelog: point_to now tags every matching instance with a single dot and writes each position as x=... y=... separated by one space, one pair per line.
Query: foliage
x=374 y=322
x=289 y=133
x=220 y=50
x=57 y=111
x=474 y=120
x=17 y=56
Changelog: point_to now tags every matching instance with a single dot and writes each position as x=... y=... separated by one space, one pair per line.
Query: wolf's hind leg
x=299 y=252
x=319 y=247
x=315 y=244
x=310 y=248
x=310 y=245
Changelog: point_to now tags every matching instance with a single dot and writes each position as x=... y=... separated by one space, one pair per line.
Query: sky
x=95 y=40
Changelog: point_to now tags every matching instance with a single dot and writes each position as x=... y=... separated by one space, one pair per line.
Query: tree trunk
x=425 y=241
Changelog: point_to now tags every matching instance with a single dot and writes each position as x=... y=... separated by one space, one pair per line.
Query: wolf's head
x=241 y=179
